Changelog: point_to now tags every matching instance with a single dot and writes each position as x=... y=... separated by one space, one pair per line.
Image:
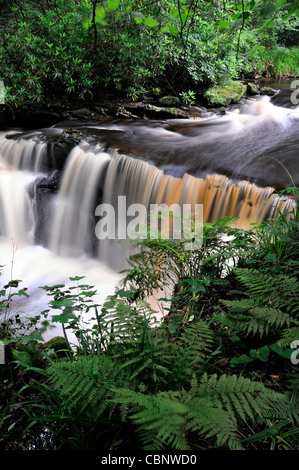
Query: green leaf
x=236 y=24
x=62 y=303
x=150 y=22
x=241 y=360
x=124 y=293
x=285 y=353
x=64 y=318
x=224 y=24
x=281 y=2
x=22 y=357
x=138 y=17
x=77 y=278
x=113 y=4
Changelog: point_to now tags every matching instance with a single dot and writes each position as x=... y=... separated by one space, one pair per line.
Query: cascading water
x=92 y=176
x=73 y=223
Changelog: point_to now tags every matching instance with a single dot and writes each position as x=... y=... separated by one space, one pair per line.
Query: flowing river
x=232 y=165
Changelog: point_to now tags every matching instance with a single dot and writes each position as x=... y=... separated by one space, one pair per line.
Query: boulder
x=224 y=95
x=169 y=101
x=268 y=91
x=252 y=89
x=150 y=111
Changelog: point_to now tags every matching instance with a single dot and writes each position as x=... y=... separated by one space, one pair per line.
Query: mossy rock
x=170 y=101
x=252 y=89
x=223 y=95
x=58 y=344
x=266 y=90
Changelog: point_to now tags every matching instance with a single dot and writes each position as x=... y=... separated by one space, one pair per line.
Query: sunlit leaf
x=113 y=4
x=224 y=24
x=150 y=22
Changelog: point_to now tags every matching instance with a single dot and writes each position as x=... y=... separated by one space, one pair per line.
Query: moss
x=252 y=89
x=169 y=101
x=223 y=95
x=268 y=91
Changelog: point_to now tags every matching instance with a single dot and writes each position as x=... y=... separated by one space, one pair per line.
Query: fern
x=272 y=303
x=217 y=404
x=240 y=396
x=280 y=291
x=209 y=421
x=191 y=351
x=160 y=419
x=86 y=384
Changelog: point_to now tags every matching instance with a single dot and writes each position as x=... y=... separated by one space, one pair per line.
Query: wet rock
x=224 y=95
x=42 y=192
x=59 y=148
x=268 y=91
x=84 y=114
x=150 y=111
x=169 y=101
x=252 y=89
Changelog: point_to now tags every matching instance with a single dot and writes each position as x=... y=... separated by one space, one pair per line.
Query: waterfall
x=22 y=154
x=73 y=224
x=20 y=163
x=91 y=178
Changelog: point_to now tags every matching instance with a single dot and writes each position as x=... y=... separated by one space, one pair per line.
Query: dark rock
x=59 y=148
x=169 y=101
x=268 y=91
x=252 y=89
x=150 y=111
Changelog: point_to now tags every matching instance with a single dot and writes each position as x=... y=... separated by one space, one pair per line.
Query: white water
x=89 y=169
x=74 y=207
x=34 y=265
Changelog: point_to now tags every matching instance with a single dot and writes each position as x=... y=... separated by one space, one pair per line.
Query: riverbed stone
x=169 y=101
x=150 y=111
x=224 y=95
x=268 y=91
x=252 y=89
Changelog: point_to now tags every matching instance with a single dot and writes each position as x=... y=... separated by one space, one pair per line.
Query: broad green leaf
x=285 y=353
x=113 y=4
x=22 y=357
x=150 y=22
x=100 y=12
x=224 y=24
x=64 y=318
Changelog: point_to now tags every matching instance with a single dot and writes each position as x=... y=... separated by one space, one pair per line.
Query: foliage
x=90 y=48
x=188 y=381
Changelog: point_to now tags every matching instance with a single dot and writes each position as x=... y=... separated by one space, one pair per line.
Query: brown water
x=229 y=164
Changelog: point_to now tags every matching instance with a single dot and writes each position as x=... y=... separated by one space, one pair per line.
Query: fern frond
x=160 y=419
x=192 y=348
x=210 y=421
x=247 y=318
x=87 y=382
x=271 y=303
x=288 y=336
x=279 y=291
x=241 y=397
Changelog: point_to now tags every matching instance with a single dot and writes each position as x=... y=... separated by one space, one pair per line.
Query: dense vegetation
x=220 y=370
x=93 y=48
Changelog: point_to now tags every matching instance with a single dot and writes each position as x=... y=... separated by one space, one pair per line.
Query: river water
x=229 y=164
